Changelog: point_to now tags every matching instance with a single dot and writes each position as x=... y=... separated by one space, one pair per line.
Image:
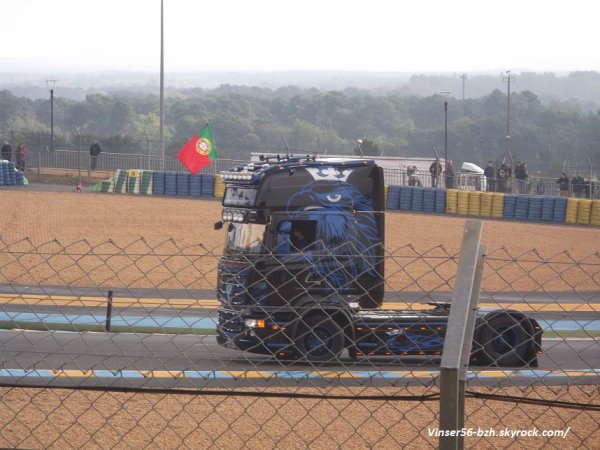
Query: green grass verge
x=39 y=326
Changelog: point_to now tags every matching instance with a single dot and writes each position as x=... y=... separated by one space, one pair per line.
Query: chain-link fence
x=133 y=345
x=110 y=161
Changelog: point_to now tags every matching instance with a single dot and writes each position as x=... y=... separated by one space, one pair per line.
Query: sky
x=271 y=35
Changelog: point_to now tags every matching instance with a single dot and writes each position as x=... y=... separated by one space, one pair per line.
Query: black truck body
x=302 y=273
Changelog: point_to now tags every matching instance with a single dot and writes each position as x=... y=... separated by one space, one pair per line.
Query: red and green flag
x=199 y=151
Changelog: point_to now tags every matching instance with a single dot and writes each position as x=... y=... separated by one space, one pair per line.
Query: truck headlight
x=254 y=323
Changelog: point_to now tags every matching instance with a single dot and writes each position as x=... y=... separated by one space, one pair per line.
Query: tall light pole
x=162 y=90
x=51 y=84
x=508 y=79
x=463 y=77
x=445 y=94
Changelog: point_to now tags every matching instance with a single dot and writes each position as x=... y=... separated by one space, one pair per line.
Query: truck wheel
x=504 y=342
x=319 y=339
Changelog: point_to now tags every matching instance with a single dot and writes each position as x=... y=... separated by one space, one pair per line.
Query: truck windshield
x=239 y=196
x=245 y=237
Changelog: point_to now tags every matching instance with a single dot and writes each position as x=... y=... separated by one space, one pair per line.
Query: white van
x=471 y=178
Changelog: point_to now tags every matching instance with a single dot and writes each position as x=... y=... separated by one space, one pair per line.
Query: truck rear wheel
x=504 y=342
x=319 y=339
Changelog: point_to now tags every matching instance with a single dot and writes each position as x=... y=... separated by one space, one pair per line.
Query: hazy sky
x=373 y=35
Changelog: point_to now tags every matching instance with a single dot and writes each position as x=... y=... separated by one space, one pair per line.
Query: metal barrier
x=159 y=379
x=68 y=159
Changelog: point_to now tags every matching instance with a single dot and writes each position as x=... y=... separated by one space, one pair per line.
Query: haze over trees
x=545 y=129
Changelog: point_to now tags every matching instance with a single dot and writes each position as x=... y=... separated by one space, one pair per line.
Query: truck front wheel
x=319 y=339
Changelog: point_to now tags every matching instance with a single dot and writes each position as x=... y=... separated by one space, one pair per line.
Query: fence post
x=459 y=337
x=109 y=310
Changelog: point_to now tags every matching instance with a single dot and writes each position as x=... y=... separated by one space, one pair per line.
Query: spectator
x=577 y=184
x=501 y=177
x=563 y=185
x=435 y=170
x=449 y=175
x=6 y=151
x=95 y=151
x=413 y=179
x=20 y=156
x=588 y=188
x=521 y=176
x=489 y=172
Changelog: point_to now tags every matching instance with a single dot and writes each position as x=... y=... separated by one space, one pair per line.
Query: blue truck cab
x=302 y=271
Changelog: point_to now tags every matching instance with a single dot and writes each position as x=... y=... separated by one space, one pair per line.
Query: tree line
x=246 y=119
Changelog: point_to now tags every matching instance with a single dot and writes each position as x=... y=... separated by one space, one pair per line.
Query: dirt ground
x=69 y=418
x=71 y=216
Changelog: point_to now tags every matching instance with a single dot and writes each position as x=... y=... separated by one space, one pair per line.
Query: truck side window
x=303 y=234
x=283 y=237
x=295 y=235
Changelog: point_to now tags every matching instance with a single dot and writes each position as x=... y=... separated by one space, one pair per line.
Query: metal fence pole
x=459 y=336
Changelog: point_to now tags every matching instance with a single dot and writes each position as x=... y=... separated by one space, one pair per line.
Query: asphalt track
x=195 y=360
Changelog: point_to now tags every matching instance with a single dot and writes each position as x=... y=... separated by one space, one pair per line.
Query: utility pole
x=463 y=77
x=51 y=84
x=162 y=90
x=508 y=79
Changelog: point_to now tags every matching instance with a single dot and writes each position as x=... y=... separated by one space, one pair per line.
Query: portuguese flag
x=199 y=151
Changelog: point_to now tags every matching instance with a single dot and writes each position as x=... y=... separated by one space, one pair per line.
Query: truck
x=302 y=272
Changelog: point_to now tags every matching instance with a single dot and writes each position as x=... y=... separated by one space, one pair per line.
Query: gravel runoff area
x=42 y=418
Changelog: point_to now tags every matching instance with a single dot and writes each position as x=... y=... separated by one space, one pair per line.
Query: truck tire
x=504 y=342
x=319 y=339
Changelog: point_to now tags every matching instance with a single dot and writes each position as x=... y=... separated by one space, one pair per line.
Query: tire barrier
x=498 y=205
x=584 y=211
x=171 y=183
x=393 y=197
x=107 y=186
x=10 y=176
x=474 y=203
x=158 y=183
x=452 y=201
x=548 y=209
x=196 y=185
x=487 y=201
x=428 y=200
x=440 y=200
x=208 y=184
x=572 y=207
x=149 y=182
x=183 y=184
x=417 y=199
x=405 y=198
x=595 y=213
x=510 y=206
x=463 y=203
x=560 y=210
x=146 y=182
x=219 y=190
x=133 y=181
x=535 y=208
x=120 y=181
x=522 y=207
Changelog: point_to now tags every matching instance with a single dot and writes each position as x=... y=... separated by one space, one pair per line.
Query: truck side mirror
x=218 y=225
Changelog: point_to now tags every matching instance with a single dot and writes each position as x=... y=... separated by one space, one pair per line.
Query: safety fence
x=401 y=176
x=133 y=345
